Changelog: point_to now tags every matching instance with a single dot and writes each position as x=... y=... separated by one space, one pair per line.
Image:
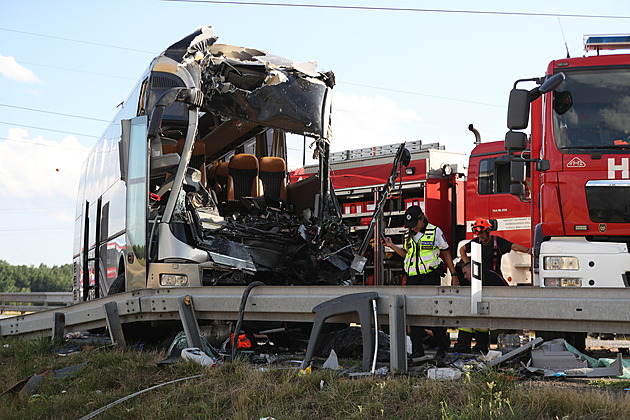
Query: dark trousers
x=417 y=334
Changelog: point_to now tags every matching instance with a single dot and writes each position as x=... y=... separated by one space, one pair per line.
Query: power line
x=54 y=113
x=48 y=129
x=399 y=9
x=76 y=40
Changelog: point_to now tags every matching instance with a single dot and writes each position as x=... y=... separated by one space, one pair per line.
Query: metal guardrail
x=19 y=302
x=540 y=309
x=546 y=309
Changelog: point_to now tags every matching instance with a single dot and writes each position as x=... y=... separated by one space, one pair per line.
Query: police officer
x=425 y=249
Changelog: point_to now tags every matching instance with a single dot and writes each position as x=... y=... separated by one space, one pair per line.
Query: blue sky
x=402 y=76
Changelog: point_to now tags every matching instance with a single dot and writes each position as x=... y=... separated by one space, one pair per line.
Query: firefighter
x=424 y=244
x=492 y=248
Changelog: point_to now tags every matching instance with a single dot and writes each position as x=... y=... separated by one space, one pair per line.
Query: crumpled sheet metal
x=615 y=369
x=554 y=355
x=556 y=358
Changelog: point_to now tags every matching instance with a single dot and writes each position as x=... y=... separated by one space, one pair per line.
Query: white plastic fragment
x=332 y=362
x=198 y=356
x=444 y=374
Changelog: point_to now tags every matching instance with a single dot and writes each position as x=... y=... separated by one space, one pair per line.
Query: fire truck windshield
x=598 y=111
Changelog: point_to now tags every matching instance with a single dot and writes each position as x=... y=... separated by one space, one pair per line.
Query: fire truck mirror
x=552 y=83
x=517 y=189
x=543 y=165
x=518 y=109
x=515 y=141
x=517 y=172
x=562 y=102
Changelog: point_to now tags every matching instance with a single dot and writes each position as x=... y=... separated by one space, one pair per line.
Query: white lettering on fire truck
x=613 y=168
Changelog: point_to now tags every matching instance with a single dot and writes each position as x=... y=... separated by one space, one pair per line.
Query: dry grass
x=242 y=391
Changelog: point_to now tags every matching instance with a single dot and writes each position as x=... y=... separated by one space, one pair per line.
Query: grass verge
x=240 y=390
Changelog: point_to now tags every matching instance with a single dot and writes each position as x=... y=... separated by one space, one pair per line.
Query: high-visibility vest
x=422 y=256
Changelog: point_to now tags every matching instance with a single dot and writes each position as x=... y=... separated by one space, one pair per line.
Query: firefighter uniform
x=492 y=248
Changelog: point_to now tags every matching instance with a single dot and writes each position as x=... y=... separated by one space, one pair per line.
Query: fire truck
x=580 y=184
x=452 y=188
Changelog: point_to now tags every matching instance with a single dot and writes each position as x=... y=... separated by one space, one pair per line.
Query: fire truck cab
x=580 y=146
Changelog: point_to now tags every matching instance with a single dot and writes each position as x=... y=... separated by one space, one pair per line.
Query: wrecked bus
x=188 y=186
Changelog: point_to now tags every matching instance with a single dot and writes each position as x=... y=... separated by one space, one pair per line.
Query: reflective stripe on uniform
x=422 y=256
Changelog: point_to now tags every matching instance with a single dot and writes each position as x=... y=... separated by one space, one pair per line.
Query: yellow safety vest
x=422 y=256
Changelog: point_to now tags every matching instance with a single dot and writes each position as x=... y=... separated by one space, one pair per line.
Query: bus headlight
x=562 y=282
x=173 y=280
x=561 y=263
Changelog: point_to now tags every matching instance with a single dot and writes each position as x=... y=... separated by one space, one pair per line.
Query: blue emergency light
x=606 y=42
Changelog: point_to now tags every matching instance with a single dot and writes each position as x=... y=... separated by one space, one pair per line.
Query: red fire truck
x=452 y=188
x=580 y=146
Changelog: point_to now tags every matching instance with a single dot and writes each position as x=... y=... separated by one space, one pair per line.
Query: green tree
x=22 y=278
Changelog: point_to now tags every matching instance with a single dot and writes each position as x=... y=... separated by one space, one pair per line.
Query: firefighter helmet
x=479 y=225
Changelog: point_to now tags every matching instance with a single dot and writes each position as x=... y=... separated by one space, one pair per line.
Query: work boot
x=464 y=338
x=483 y=342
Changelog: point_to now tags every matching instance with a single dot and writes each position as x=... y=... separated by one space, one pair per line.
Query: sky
x=422 y=73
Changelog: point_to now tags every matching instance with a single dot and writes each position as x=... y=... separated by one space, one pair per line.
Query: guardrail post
x=114 y=325
x=189 y=321
x=59 y=325
x=398 y=333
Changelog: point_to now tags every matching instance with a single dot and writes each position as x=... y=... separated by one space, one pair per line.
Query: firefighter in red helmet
x=492 y=248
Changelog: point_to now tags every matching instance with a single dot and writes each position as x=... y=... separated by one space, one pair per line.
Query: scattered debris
x=554 y=358
x=196 y=355
x=444 y=374
x=516 y=353
x=332 y=362
x=32 y=385
x=70 y=370
x=180 y=343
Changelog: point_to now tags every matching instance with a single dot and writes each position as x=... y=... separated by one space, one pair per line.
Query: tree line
x=23 y=278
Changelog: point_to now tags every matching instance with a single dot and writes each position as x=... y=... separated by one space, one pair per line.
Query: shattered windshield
x=599 y=117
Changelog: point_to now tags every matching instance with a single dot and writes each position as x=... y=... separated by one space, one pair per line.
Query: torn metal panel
x=515 y=353
x=554 y=355
x=615 y=369
x=258 y=87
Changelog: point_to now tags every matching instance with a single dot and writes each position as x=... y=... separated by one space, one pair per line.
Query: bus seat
x=198 y=157
x=302 y=194
x=172 y=145
x=272 y=173
x=211 y=174
x=221 y=180
x=243 y=178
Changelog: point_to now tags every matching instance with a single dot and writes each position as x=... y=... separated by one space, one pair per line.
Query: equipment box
x=353 y=208
x=414 y=202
